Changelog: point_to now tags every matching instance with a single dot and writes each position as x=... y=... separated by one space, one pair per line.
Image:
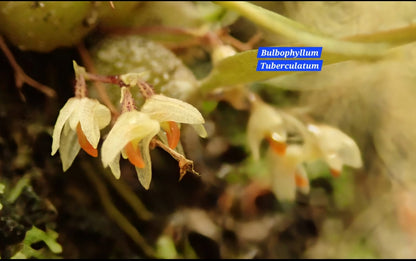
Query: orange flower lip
x=278 y=147
x=83 y=141
x=173 y=134
x=134 y=155
x=335 y=173
x=300 y=181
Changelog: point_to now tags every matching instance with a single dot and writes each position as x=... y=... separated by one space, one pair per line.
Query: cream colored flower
x=130 y=136
x=337 y=148
x=287 y=172
x=78 y=126
x=265 y=122
x=169 y=112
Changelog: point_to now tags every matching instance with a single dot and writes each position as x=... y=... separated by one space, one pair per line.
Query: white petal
x=93 y=116
x=75 y=116
x=283 y=170
x=63 y=116
x=102 y=115
x=162 y=137
x=124 y=154
x=334 y=161
x=145 y=174
x=200 y=129
x=129 y=126
x=162 y=108
x=66 y=129
x=264 y=120
x=69 y=149
x=115 y=167
x=337 y=147
x=88 y=123
x=284 y=187
x=282 y=178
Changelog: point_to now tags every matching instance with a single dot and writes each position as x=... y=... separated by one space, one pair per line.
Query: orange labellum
x=85 y=144
x=173 y=134
x=335 y=173
x=278 y=147
x=300 y=181
x=134 y=155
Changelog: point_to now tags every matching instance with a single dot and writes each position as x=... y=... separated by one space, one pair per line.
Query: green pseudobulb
x=45 y=26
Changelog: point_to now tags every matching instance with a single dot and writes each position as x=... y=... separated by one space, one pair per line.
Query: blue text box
x=289 y=65
x=289 y=52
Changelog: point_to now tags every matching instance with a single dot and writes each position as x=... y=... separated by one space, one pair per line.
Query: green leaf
x=35 y=235
x=15 y=192
x=49 y=237
x=394 y=37
x=213 y=13
x=307 y=36
x=241 y=68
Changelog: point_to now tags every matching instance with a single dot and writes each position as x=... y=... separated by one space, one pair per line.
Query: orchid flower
x=265 y=122
x=130 y=137
x=287 y=173
x=80 y=119
x=169 y=112
x=337 y=148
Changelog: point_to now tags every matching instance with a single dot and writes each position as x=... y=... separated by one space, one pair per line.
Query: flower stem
x=293 y=30
x=113 y=79
x=184 y=163
x=80 y=86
